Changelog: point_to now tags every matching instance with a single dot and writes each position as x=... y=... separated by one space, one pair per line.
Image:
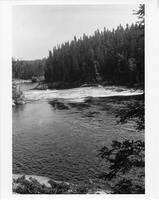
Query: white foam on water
x=79 y=94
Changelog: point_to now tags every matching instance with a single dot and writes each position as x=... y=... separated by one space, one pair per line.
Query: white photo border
x=151 y=98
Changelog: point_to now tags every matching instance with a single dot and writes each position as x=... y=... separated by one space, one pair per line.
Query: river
x=58 y=133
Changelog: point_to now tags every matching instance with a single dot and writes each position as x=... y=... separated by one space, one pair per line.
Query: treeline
x=22 y=69
x=108 y=57
x=117 y=55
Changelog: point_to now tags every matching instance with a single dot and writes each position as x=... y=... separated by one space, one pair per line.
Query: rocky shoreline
x=32 y=184
x=17 y=95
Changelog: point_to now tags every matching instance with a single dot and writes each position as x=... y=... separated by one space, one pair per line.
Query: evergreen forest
x=107 y=57
x=117 y=55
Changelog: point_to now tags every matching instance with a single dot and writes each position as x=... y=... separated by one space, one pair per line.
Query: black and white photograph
x=78 y=94
x=78 y=112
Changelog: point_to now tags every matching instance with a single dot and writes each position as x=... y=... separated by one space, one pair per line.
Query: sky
x=38 y=28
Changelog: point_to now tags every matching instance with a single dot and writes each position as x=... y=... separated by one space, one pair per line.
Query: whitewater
x=80 y=94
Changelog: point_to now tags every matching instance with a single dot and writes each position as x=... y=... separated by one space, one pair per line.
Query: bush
x=22 y=185
x=59 y=188
x=17 y=95
x=34 y=79
x=31 y=186
x=126 y=159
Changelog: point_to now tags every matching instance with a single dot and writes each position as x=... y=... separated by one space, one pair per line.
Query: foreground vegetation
x=23 y=185
x=126 y=158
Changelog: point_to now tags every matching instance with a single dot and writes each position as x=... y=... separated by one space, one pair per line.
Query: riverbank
x=20 y=81
x=66 y=85
x=32 y=184
x=17 y=95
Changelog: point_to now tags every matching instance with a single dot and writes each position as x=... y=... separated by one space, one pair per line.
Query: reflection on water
x=60 y=139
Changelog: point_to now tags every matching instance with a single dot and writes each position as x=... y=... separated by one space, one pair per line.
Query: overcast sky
x=37 y=29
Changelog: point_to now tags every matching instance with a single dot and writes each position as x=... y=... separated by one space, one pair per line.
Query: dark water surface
x=62 y=143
